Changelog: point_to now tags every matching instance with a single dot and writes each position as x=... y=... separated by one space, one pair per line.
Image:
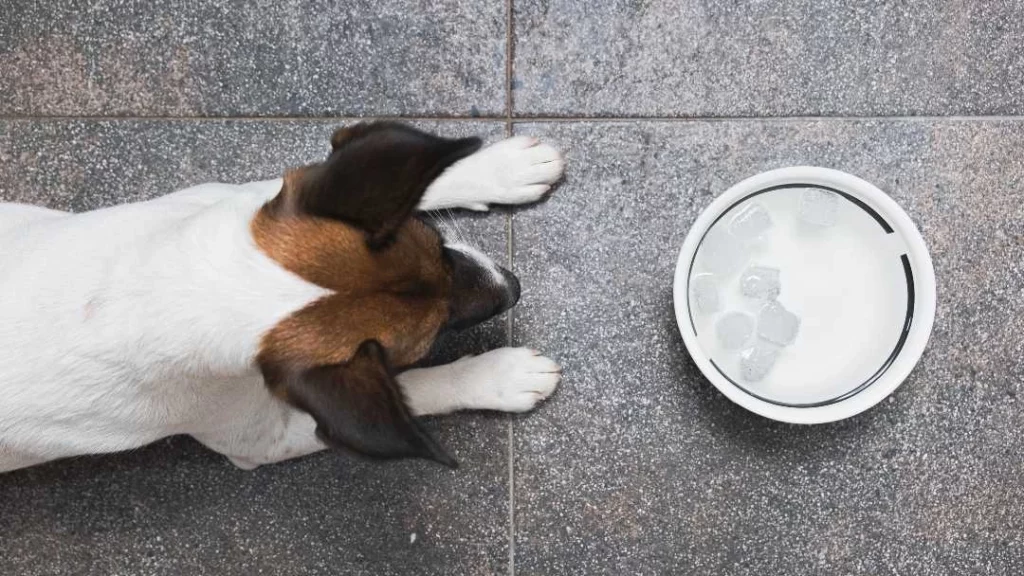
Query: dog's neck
x=209 y=325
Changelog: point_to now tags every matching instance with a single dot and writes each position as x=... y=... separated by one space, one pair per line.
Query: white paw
x=514 y=171
x=507 y=379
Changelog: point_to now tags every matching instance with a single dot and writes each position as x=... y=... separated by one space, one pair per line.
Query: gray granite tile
x=175 y=508
x=229 y=58
x=639 y=466
x=85 y=164
x=768 y=58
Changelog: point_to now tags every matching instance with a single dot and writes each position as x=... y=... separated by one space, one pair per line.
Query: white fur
x=128 y=324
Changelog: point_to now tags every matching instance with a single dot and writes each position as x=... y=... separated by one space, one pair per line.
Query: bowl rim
x=924 y=287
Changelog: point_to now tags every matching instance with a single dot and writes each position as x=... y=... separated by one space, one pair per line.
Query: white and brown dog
x=267 y=320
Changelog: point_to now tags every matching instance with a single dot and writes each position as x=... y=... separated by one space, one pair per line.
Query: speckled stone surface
x=175 y=508
x=768 y=58
x=639 y=466
x=224 y=58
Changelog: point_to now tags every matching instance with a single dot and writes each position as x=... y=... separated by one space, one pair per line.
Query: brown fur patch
x=397 y=296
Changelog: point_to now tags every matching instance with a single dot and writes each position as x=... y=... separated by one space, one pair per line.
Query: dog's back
x=101 y=310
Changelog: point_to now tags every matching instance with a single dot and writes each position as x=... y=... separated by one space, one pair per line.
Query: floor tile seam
x=507 y=119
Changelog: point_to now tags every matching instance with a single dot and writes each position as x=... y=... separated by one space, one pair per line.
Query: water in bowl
x=824 y=282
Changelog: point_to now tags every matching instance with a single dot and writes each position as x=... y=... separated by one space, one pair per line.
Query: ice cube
x=818 y=207
x=760 y=282
x=750 y=223
x=777 y=325
x=722 y=253
x=734 y=329
x=704 y=293
x=757 y=361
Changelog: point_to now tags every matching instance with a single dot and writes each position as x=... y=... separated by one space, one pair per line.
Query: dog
x=267 y=320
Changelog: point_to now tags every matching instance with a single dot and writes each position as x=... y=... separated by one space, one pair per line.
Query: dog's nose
x=512 y=288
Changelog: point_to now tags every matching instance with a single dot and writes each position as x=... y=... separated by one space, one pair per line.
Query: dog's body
x=128 y=324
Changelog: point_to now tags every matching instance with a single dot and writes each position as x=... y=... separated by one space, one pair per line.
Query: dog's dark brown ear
x=376 y=176
x=359 y=405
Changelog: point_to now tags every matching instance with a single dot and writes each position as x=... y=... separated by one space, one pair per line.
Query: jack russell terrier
x=267 y=320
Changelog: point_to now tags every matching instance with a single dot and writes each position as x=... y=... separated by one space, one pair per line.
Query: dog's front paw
x=518 y=170
x=522 y=169
x=507 y=379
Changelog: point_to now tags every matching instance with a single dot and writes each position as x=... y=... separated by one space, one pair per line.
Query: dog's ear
x=359 y=405
x=375 y=177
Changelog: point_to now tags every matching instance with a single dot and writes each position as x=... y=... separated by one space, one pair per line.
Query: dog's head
x=349 y=225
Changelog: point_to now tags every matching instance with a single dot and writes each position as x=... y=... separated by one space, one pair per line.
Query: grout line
x=690 y=119
x=16 y=117
x=509 y=60
x=510 y=318
x=506 y=117
x=509 y=336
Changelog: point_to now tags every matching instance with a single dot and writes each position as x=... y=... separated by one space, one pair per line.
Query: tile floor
x=637 y=465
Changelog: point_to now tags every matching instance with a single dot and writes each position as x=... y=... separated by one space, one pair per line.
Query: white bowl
x=860 y=334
